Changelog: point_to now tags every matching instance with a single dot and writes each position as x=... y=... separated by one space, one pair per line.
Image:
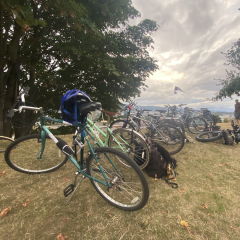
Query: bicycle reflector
x=71 y=106
x=130 y=107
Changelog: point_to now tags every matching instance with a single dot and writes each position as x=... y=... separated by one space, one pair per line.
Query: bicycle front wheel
x=197 y=125
x=132 y=143
x=22 y=155
x=4 y=143
x=128 y=188
x=209 y=136
x=176 y=123
x=168 y=136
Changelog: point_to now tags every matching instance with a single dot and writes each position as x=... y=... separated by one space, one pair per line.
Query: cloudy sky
x=188 y=47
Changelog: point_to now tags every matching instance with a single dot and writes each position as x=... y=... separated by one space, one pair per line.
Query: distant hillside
x=222 y=113
x=214 y=111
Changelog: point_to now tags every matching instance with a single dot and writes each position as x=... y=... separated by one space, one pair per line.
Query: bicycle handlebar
x=21 y=99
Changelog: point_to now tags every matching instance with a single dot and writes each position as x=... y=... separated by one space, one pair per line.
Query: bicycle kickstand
x=72 y=187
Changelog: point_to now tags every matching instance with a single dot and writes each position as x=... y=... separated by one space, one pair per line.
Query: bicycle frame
x=93 y=135
x=79 y=165
x=149 y=124
x=114 y=175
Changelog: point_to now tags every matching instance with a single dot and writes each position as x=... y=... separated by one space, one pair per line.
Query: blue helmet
x=70 y=104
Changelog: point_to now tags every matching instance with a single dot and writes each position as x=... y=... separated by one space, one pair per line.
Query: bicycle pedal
x=68 y=190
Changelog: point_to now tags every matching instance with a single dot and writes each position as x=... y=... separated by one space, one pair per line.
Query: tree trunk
x=12 y=78
x=1 y=69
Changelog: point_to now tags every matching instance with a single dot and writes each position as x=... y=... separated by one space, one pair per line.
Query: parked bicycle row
x=174 y=116
x=114 y=158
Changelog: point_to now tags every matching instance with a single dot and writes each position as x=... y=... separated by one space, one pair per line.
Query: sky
x=188 y=46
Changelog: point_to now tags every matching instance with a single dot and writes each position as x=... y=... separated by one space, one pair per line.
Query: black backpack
x=161 y=164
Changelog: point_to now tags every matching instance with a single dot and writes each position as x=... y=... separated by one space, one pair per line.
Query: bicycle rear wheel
x=22 y=155
x=129 y=188
x=209 y=136
x=4 y=143
x=168 y=136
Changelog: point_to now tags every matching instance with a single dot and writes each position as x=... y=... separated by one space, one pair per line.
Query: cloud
x=188 y=48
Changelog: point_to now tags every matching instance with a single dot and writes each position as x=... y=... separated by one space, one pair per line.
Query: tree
x=231 y=85
x=56 y=45
x=219 y=120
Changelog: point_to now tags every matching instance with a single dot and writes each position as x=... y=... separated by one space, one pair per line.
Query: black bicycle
x=184 y=119
x=211 y=136
x=169 y=136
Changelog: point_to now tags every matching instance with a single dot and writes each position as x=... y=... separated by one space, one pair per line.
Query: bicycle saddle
x=110 y=114
x=88 y=107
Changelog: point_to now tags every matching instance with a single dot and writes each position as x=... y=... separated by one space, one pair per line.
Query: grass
x=207 y=198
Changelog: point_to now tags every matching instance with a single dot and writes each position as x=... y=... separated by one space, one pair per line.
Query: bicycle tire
x=121 y=124
x=129 y=190
x=176 y=123
x=4 y=143
x=196 y=125
x=129 y=140
x=169 y=137
x=28 y=148
x=206 y=136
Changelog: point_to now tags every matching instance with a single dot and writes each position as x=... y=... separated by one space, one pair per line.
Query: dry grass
x=208 y=174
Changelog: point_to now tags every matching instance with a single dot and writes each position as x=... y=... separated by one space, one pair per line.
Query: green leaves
x=231 y=85
x=85 y=44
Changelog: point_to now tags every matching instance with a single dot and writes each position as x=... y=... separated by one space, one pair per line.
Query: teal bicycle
x=125 y=140
x=114 y=175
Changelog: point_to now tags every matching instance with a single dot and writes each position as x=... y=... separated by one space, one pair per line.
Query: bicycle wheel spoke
x=126 y=190
x=169 y=137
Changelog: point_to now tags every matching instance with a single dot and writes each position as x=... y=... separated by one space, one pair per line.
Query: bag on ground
x=228 y=139
x=161 y=164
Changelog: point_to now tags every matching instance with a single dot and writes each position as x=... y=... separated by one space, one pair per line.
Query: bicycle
x=166 y=135
x=124 y=140
x=211 y=136
x=112 y=173
x=4 y=142
x=194 y=124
